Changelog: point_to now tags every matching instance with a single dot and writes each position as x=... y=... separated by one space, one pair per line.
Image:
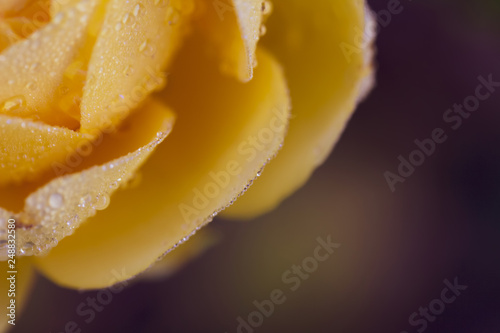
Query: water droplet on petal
x=134 y=181
x=34 y=66
x=27 y=248
x=56 y=200
x=13 y=104
x=147 y=48
x=129 y=70
x=138 y=9
x=85 y=201
x=114 y=185
x=126 y=18
x=58 y=18
x=172 y=16
x=31 y=86
x=267 y=7
x=262 y=30
x=101 y=202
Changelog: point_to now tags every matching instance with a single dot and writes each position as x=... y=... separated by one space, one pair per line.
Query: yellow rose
x=136 y=122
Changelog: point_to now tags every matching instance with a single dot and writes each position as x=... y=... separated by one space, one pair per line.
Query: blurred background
x=396 y=248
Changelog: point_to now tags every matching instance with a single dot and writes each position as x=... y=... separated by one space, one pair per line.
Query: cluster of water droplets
x=59 y=219
x=45 y=54
x=267 y=9
x=27 y=146
x=194 y=226
x=129 y=56
x=57 y=209
x=197 y=224
x=65 y=203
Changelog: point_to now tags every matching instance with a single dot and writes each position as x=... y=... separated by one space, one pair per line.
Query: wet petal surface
x=30 y=82
x=136 y=42
x=328 y=73
x=209 y=159
x=56 y=209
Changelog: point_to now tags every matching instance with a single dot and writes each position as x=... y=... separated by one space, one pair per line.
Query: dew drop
x=58 y=18
x=172 y=16
x=13 y=104
x=31 y=86
x=27 y=248
x=101 y=202
x=267 y=7
x=85 y=201
x=129 y=70
x=34 y=66
x=142 y=47
x=262 y=30
x=56 y=200
x=134 y=181
x=138 y=9
x=126 y=19
x=147 y=48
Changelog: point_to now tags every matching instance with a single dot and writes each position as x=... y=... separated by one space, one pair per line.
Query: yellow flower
x=125 y=126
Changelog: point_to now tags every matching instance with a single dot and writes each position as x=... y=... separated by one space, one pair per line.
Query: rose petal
x=135 y=43
x=249 y=14
x=175 y=260
x=309 y=39
x=75 y=76
x=31 y=71
x=213 y=136
x=27 y=148
x=233 y=27
x=56 y=209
